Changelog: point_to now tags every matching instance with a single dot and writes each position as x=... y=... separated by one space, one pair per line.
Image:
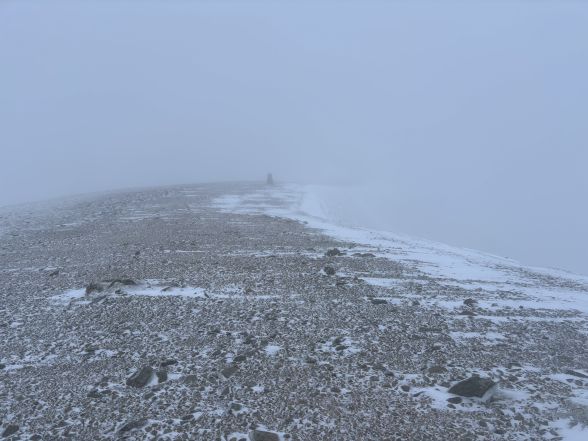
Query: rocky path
x=158 y=314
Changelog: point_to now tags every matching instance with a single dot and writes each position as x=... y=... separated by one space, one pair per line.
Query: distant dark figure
x=270 y=179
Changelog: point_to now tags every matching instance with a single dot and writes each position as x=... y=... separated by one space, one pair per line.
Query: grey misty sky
x=468 y=119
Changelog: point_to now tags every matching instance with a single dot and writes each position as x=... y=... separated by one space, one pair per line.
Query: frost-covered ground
x=222 y=312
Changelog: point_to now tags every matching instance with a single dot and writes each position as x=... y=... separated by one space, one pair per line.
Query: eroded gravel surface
x=205 y=324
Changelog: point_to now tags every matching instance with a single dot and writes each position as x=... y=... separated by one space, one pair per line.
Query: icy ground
x=222 y=312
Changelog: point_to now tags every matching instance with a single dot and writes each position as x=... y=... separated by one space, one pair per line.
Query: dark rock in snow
x=472 y=387
x=341 y=281
x=141 y=377
x=94 y=287
x=125 y=282
x=334 y=252
x=263 y=435
x=11 y=429
x=470 y=302
x=54 y=273
x=329 y=270
x=576 y=374
x=455 y=400
x=436 y=370
x=162 y=375
x=229 y=371
x=191 y=379
x=168 y=362
x=364 y=255
x=379 y=301
x=132 y=425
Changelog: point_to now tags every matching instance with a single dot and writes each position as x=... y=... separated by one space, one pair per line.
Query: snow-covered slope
x=510 y=299
x=465 y=268
x=234 y=311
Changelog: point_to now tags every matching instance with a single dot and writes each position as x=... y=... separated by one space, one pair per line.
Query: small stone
x=162 y=375
x=229 y=371
x=141 y=377
x=379 y=301
x=576 y=373
x=470 y=302
x=334 y=252
x=11 y=429
x=329 y=270
x=191 y=379
x=437 y=370
x=93 y=394
x=125 y=282
x=263 y=435
x=337 y=341
x=405 y=387
x=132 y=425
x=455 y=400
x=94 y=287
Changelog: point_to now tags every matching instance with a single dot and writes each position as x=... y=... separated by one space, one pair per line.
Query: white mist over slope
x=467 y=119
x=449 y=265
x=521 y=232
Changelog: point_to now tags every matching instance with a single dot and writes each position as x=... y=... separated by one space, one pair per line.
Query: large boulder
x=472 y=387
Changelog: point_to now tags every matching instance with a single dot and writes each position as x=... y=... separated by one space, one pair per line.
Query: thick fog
x=462 y=122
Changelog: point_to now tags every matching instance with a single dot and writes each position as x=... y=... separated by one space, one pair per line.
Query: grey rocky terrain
x=155 y=314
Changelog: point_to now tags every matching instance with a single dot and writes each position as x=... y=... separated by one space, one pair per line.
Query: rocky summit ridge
x=165 y=314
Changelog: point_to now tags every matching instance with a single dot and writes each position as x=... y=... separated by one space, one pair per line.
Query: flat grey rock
x=141 y=377
x=263 y=435
x=472 y=387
